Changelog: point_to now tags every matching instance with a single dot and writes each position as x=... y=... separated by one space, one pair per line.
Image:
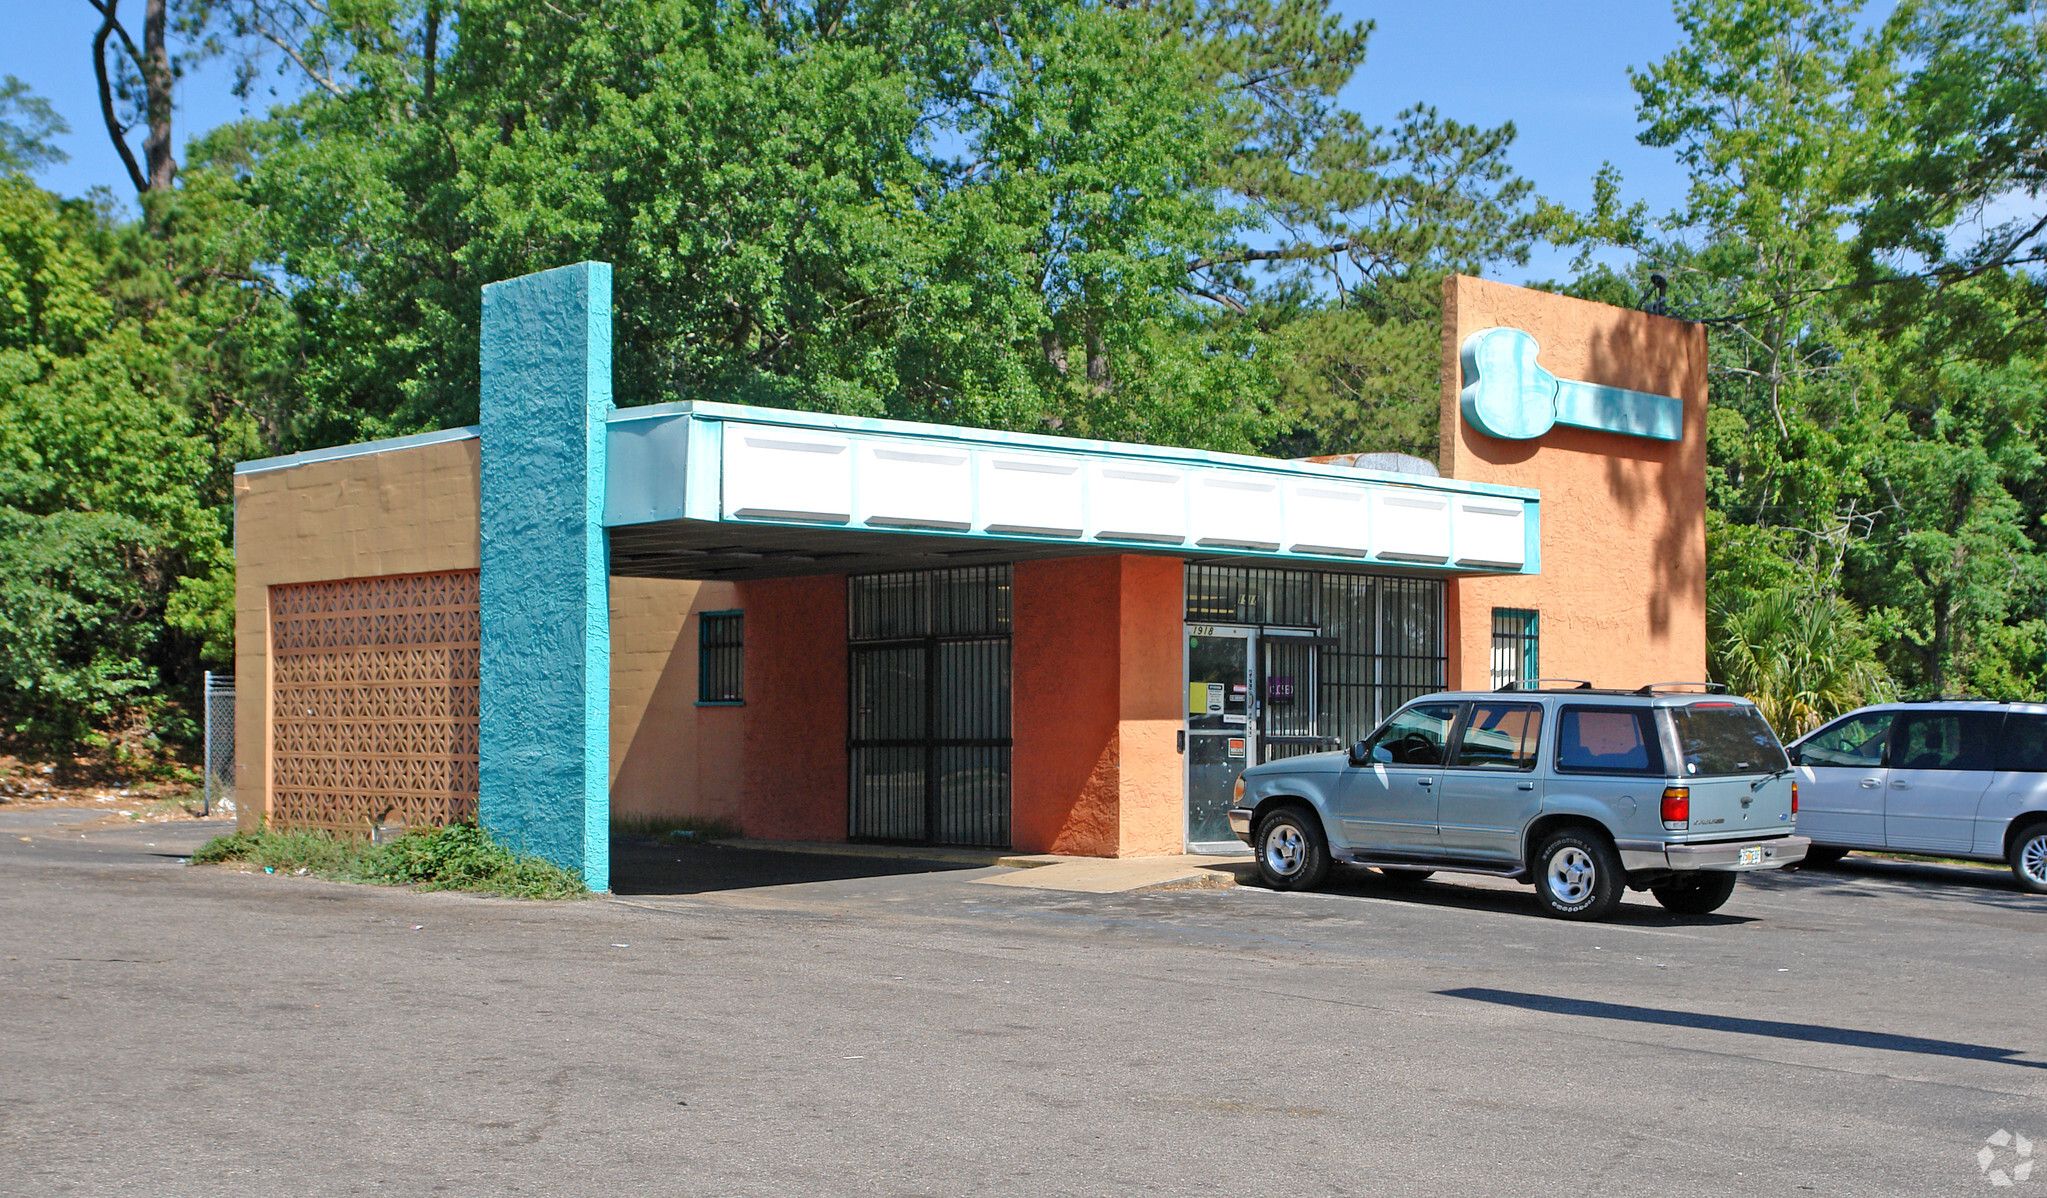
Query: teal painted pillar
x=544 y=755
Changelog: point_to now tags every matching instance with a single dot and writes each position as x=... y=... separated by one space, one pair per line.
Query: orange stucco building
x=820 y=628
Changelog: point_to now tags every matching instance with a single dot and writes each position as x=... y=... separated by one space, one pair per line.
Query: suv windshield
x=1717 y=739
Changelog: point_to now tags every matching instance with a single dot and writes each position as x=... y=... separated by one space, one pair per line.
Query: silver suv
x=1582 y=792
x=1951 y=779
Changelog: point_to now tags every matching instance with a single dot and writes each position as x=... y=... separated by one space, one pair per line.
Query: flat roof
x=697 y=489
x=715 y=490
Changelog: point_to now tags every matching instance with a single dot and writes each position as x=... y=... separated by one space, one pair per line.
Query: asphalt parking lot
x=770 y=1024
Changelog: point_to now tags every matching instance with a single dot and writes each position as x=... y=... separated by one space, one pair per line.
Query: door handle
x=1901 y=786
x=1180 y=741
x=1426 y=781
x=1871 y=784
x=1524 y=786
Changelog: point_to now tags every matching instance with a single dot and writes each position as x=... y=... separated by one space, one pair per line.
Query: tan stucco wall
x=402 y=511
x=1622 y=592
x=669 y=757
x=414 y=510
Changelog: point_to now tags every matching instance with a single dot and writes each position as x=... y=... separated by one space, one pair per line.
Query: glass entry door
x=1252 y=696
x=1221 y=729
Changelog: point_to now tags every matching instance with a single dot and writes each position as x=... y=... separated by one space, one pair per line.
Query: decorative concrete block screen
x=374 y=701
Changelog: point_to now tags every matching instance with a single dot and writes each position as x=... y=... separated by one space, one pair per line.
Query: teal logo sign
x=1508 y=394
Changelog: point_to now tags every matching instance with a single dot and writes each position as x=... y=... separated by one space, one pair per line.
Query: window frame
x=1518 y=629
x=1890 y=714
x=1452 y=729
x=708 y=654
x=2001 y=764
x=1464 y=723
x=1645 y=722
x=1894 y=745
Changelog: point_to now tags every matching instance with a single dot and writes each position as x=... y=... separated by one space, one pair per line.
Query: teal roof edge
x=358 y=449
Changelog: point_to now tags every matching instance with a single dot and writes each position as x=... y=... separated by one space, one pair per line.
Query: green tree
x=1803 y=657
x=131 y=362
x=1086 y=216
x=1960 y=182
x=27 y=123
x=1873 y=434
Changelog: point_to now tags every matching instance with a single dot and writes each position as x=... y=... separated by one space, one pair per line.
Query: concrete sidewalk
x=1115 y=875
x=1045 y=871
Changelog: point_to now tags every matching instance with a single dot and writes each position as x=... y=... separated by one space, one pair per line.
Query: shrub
x=464 y=857
x=457 y=857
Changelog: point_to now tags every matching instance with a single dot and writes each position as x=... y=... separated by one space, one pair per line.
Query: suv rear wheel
x=1292 y=854
x=2029 y=857
x=1578 y=875
x=1700 y=894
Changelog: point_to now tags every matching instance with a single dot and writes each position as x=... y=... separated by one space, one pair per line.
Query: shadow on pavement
x=1467 y=891
x=654 y=867
x=1811 y=1032
x=1856 y=876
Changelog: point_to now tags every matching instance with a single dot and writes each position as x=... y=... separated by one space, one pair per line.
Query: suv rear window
x=1607 y=740
x=1718 y=739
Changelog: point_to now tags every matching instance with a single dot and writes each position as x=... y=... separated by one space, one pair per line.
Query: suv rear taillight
x=1794 y=797
x=1677 y=806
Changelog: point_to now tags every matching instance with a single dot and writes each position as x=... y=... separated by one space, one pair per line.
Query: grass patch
x=457 y=857
x=673 y=827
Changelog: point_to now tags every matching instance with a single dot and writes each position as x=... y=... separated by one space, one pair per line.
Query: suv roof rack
x=1711 y=688
x=1956 y=699
x=1535 y=684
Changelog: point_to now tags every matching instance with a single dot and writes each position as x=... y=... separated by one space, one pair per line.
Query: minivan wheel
x=2029 y=858
x=1292 y=854
x=1578 y=875
x=1700 y=894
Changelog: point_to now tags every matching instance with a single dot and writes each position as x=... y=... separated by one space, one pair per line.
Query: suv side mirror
x=1791 y=754
x=1358 y=760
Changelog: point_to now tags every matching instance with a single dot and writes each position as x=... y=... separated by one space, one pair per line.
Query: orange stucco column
x=793 y=772
x=1622 y=592
x=1096 y=697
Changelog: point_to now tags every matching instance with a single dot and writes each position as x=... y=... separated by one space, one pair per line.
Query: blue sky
x=1558 y=71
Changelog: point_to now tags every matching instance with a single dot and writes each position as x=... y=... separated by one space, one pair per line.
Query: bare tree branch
x=1244 y=256
x=1215 y=298
x=109 y=25
x=292 y=53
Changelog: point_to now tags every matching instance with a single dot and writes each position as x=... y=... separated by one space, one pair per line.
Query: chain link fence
x=220 y=743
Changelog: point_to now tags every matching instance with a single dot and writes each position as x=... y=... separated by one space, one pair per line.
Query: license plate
x=1752 y=855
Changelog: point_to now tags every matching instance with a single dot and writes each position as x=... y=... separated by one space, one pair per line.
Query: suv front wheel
x=1292 y=854
x=1578 y=875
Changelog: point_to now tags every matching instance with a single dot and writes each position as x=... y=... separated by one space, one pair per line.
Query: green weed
x=457 y=857
x=464 y=857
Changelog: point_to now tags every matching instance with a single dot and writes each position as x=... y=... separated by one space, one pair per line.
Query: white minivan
x=1952 y=778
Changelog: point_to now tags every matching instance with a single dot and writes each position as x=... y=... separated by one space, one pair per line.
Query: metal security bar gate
x=928 y=741
x=1378 y=643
